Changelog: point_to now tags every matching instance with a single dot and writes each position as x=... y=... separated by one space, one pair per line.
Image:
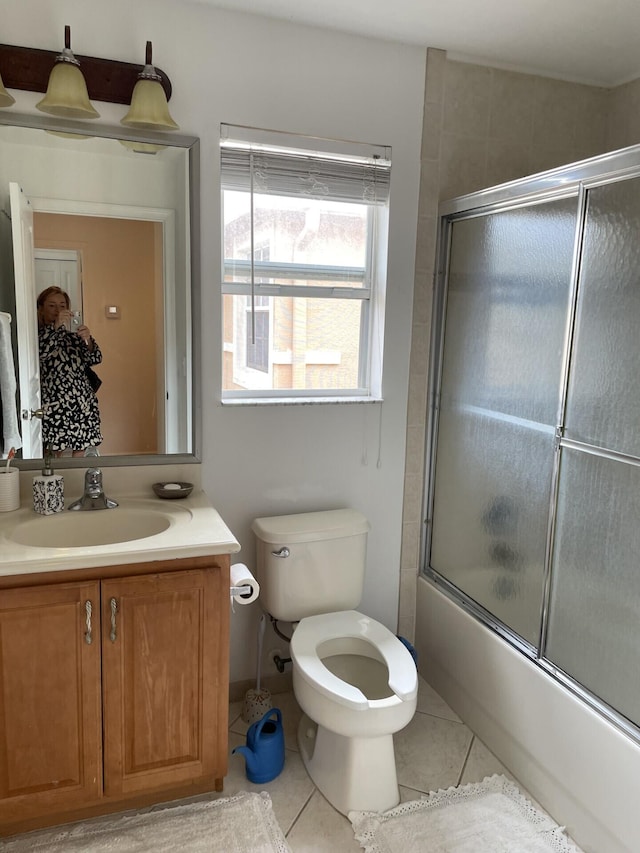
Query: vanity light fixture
x=6 y=100
x=141 y=147
x=67 y=94
x=35 y=70
x=149 y=109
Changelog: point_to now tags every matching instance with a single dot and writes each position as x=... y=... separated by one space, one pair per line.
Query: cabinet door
x=165 y=651
x=50 y=699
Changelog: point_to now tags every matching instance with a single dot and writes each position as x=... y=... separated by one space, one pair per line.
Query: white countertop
x=195 y=529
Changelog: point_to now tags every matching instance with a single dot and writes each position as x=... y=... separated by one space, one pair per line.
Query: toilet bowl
x=357 y=684
x=355 y=681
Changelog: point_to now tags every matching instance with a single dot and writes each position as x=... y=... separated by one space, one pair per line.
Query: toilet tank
x=311 y=562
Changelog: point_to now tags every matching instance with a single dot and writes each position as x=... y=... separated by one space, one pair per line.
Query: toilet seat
x=312 y=631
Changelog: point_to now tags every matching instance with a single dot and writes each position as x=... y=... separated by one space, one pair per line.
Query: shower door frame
x=573 y=180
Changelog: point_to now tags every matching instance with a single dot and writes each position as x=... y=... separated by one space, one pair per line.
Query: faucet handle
x=94 y=496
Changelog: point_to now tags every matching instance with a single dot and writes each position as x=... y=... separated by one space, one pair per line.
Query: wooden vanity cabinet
x=160 y=680
x=113 y=690
x=50 y=715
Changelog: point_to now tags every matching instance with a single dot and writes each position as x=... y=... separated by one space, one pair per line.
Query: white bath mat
x=484 y=817
x=244 y=822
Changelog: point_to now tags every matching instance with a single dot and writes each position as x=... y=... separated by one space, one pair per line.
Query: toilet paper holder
x=243 y=587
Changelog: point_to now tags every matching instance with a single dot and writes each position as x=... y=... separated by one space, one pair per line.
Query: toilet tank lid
x=310 y=526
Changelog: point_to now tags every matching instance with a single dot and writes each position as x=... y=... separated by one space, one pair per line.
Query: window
x=304 y=243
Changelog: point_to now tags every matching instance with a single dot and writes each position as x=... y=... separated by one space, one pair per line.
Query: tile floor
x=434 y=751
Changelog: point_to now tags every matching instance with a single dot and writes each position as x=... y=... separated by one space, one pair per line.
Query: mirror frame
x=192 y=145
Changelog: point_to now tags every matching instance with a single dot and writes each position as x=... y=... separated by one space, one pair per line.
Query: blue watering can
x=264 y=752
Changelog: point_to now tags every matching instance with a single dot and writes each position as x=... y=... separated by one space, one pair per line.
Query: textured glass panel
x=604 y=390
x=492 y=488
x=509 y=285
x=594 y=617
x=509 y=280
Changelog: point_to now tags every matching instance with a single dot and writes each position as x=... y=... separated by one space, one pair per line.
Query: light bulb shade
x=5 y=98
x=141 y=147
x=63 y=135
x=67 y=94
x=149 y=108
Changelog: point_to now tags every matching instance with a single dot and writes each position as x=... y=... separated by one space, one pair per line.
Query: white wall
x=228 y=67
x=52 y=168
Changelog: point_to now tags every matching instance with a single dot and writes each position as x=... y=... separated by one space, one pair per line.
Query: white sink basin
x=89 y=528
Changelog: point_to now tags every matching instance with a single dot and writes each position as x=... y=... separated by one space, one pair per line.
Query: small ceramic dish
x=171 y=491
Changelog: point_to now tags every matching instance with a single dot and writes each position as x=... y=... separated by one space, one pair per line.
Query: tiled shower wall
x=484 y=126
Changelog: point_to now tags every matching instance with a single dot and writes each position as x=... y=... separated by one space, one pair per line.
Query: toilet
x=355 y=681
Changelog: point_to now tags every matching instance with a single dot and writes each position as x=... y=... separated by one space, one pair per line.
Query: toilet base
x=352 y=773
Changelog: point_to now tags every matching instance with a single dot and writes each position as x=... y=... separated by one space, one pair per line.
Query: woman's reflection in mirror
x=71 y=415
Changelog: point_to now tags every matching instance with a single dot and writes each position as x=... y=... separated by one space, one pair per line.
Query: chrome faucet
x=94 y=496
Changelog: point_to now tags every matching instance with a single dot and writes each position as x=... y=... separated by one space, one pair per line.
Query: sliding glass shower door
x=507 y=297
x=594 y=617
x=532 y=502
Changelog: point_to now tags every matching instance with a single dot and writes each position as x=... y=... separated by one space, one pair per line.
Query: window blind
x=305 y=174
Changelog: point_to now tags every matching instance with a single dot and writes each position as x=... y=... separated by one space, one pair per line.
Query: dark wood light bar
x=28 y=68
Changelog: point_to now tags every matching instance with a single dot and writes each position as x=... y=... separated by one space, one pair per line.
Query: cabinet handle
x=114 y=609
x=88 y=638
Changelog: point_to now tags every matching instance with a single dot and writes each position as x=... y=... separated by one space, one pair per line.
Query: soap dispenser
x=48 y=488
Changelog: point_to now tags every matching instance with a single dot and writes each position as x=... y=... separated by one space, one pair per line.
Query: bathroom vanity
x=113 y=660
x=114 y=624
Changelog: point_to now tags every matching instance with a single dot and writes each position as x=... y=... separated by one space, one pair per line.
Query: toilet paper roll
x=242 y=577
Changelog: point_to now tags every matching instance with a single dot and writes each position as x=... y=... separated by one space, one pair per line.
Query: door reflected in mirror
x=119 y=291
x=112 y=227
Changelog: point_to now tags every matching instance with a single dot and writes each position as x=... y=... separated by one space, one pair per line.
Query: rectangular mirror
x=111 y=218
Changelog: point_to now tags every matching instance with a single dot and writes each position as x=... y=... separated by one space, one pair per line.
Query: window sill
x=297 y=401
